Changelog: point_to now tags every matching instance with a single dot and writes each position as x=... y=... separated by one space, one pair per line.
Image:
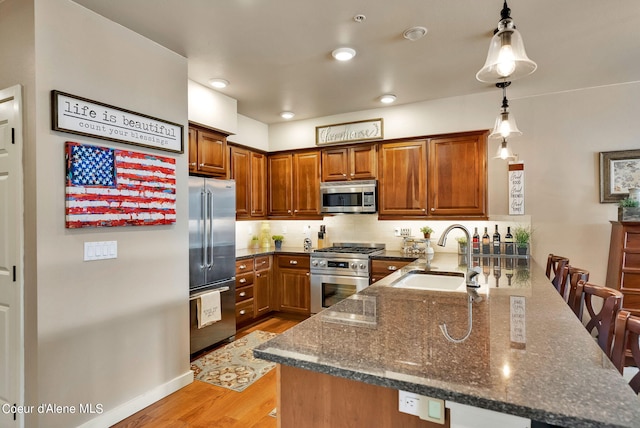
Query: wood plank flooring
x=200 y=404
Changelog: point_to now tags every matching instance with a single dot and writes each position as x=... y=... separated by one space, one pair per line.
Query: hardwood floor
x=200 y=404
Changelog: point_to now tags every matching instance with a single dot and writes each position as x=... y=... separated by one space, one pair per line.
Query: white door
x=11 y=308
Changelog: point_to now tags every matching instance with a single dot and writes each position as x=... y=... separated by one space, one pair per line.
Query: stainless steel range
x=338 y=272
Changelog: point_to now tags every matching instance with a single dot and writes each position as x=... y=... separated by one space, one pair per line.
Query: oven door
x=327 y=290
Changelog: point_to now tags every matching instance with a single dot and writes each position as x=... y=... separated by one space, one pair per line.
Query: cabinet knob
x=433 y=209
x=289 y=211
x=352 y=174
x=201 y=164
x=392 y=268
x=192 y=164
x=258 y=275
x=295 y=211
x=344 y=175
x=243 y=280
x=243 y=266
x=242 y=312
x=373 y=280
x=307 y=273
x=293 y=262
x=242 y=294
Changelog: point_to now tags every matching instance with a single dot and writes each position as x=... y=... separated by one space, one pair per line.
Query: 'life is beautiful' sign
x=82 y=116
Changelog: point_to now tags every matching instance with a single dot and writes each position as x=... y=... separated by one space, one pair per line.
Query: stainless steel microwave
x=348 y=197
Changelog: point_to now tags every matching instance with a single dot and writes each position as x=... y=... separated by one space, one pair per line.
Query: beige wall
x=111 y=332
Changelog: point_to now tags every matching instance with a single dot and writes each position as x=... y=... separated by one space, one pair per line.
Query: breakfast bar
x=511 y=347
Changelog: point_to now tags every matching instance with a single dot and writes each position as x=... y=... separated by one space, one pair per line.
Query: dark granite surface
x=526 y=355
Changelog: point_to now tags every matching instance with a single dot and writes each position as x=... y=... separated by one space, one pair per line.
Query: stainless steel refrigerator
x=212 y=253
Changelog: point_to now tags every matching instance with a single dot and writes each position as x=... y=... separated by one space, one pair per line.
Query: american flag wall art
x=110 y=187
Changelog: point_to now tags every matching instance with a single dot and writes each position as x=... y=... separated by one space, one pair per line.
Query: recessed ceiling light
x=287 y=114
x=387 y=98
x=219 y=83
x=343 y=54
x=414 y=33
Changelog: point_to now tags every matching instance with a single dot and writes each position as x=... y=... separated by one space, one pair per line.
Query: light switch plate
x=100 y=250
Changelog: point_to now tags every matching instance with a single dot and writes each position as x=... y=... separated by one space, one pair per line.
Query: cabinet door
x=306 y=184
x=335 y=164
x=241 y=173
x=294 y=293
x=363 y=162
x=258 y=199
x=212 y=153
x=402 y=181
x=262 y=292
x=457 y=180
x=280 y=190
x=193 y=150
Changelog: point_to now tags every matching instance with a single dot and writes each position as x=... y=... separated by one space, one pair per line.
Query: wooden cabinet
x=262 y=286
x=248 y=169
x=207 y=152
x=350 y=163
x=293 y=284
x=623 y=272
x=294 y=185
x=441 y=177
x=244 y=291
x=383 y=267
x=402 y=187
x=457 y=175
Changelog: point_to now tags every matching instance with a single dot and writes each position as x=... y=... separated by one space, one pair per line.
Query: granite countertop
x=246 y=253
x=527 y=354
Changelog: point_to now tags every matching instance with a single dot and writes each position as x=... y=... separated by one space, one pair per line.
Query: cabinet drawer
x=300 y=262
x=631 y=301
x=244 y=311
x=244 y=293
x=630 y=280
x=244 y=279
x=386 y=267
x=245 y=265
x=262 y=263
x=630 y=260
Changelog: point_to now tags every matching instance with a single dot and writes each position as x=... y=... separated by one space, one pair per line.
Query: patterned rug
x=234 y=366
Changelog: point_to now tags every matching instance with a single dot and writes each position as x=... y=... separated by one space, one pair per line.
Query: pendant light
x=505 y=125
x=504 y=151
x=507 y=59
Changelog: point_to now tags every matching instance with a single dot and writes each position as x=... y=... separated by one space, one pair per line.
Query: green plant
x=254 y=238
x=522 y=235
x=628 y=203
x=277 y=238
x=426 y=229
x=462 y=240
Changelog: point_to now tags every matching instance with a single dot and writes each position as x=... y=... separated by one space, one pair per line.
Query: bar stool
x=555 y=268
x=626 y=350
x=571 y=292
x=604 y=320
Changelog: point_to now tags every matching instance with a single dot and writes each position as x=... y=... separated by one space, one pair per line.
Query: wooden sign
x=81 y=116
x=516 y=188
x=364 y=130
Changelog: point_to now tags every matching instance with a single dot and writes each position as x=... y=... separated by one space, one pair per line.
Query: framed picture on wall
x=619 y=172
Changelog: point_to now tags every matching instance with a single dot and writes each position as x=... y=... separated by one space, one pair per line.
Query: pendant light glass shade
x=505 y=126
x=507 y=58
x=504 y=151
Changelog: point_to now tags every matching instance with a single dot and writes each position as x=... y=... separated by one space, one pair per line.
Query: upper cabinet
x=350 y=163
x=249 y=170
x=207 y=152
x=441 y=177
x=294 y=184
x=402 y=187
x=457 y=175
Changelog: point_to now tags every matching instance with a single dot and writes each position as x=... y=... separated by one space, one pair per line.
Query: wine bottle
x=486 y=246
x=496 y=241
x=476 y=242
x=508 y=242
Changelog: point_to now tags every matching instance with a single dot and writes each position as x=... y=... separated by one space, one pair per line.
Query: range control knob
x=314 y=263
x=362 y=266
x=353 y=265
x=323 y=263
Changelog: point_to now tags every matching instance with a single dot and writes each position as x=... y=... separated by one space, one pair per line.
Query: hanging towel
x=209 y=310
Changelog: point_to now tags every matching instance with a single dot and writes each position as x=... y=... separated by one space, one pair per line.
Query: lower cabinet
x=293 y=284
x=253 y=289
x=383 y=267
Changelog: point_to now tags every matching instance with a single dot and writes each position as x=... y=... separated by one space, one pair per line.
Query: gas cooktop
x=351 y=248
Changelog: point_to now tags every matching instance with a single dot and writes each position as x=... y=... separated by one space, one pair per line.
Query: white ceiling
x=277 y=53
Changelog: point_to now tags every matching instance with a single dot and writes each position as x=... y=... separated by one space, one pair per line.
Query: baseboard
x=127 y=409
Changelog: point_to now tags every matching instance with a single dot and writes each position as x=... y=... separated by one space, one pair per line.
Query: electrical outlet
x=408 y=403
x=396 y=231
x=426 y=408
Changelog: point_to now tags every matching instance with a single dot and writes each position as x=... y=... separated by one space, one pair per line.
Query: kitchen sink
x=432 y=280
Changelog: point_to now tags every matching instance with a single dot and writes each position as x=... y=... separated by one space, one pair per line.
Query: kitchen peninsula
x=527 y=355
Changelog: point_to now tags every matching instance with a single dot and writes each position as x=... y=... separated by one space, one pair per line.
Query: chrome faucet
x=471 y=279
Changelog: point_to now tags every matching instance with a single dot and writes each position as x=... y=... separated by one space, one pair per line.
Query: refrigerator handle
x=210 y=234
x=203 y=228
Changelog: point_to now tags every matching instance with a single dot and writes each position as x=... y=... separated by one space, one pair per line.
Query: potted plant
x=462 y=244
x=522 y=236
x=628 y=210
x=426 y=231
x=277 y=239
x=255 y=242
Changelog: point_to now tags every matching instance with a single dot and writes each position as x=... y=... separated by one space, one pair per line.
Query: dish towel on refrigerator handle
x=209 y=310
